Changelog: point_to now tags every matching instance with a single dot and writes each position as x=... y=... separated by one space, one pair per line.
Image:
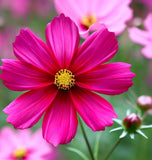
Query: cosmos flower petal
x=147 y=50
x=30 y=49
x=143 y=37
x=20 y=77
x=92 y=28
x=60 y=120
x=62 y=37
x=115 y=16
x=28 y=108
x=111 y=78
x=74 y=8
x=8 y=136
x=138 y=36
x=96 y=112
x=148 y=22
x=101 y=46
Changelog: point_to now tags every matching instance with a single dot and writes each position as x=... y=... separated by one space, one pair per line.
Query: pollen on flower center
x=64 y=79
x=20 y=153
x=88 y=20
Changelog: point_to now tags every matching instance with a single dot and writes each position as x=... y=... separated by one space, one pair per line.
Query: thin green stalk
x=96 y=148
x=86 y=140
x=113 y=148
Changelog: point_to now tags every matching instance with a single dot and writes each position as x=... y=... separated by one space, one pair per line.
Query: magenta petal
x=62 y=37
x=60 y=120
x=112 y=78
x=94 y=27
x=19 y=76
x=100 y=47
x=96 y=112
x=30 y=49
x=27 y=109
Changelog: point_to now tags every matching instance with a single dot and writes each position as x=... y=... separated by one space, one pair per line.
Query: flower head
x=142 y=37
x=60 y=77
x=91 y=15
x=144 y=102
x=132 y=122
x=24 y=145
x=131 y=125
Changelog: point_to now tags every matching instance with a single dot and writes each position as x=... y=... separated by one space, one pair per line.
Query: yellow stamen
x=20 y=153
x=64 y=79
x=87 y=21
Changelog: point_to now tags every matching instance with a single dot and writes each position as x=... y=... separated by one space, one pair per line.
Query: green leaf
x=82 y=155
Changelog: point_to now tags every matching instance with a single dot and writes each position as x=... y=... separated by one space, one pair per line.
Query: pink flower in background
x=91 y=15
x=60 y=77
x=42 y=7
x=22 y=8
x=24 y=145
x=17 y=8
x=6 y=39
x=143 y=37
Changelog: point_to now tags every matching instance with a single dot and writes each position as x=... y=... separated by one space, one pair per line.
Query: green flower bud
x=132 y=123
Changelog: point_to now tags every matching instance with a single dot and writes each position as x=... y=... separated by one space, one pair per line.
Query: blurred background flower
x=143 y=37
x=91 y=15
x=24 y=8
x=23 y=144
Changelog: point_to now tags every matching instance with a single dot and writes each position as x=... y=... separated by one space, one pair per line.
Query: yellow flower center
x=20 y=153
x=87 y=21
x=64 y=79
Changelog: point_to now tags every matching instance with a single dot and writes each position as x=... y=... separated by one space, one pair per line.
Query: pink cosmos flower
x=91 y=15
x=60 y=77
x=24 y=145
x=142 y=37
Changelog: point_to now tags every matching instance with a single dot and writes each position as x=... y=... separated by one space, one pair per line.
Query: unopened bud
x=144 y=102
x=132 y=122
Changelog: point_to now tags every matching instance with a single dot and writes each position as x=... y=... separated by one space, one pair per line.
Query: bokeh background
x=35 y=14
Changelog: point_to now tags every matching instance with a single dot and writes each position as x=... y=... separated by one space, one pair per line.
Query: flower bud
x=144 y=102
x=131 y=123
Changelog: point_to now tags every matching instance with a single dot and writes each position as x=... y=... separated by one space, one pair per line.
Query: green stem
x=113 y=148
x=86 y=140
